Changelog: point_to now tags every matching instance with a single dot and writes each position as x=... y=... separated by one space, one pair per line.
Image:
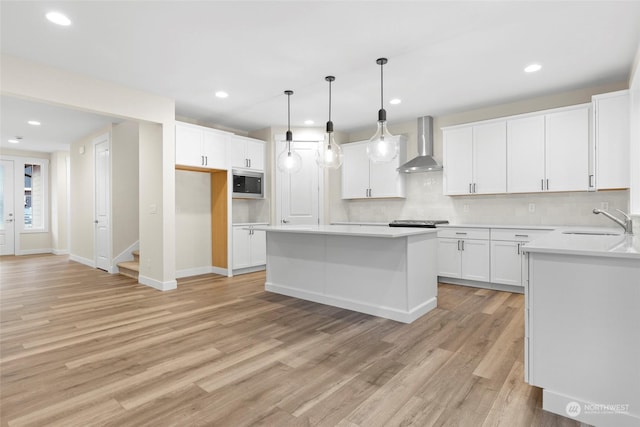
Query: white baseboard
x=156 y=284
x=60 y=252
x=197 y=271
x=249 y=269
x=483 y=285
x=33 y=251
x=86 y=261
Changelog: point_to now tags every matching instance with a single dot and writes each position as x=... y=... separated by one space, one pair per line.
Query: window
x=34 y=195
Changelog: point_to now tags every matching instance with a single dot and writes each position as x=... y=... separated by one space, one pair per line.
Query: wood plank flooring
x=80 y=347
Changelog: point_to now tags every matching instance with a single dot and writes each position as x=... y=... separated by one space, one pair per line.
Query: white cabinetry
x=201 y=147
x=464 y=253
x=611 y=138
x=362 y=178
x=549 y=151
x=507 y=256
x=246 y=153
x=249 y=247
x=475 y=159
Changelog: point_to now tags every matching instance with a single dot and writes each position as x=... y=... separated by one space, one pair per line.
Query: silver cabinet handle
x=474 y=187
x=470 y=188
x=249 y=162
x=9 y=220
x=547 y=183
x=542 y=184
x=591 y=185
x=458 y=244
x=521 y=235
x=462 y=244
x=519 y=248
x=461 y=233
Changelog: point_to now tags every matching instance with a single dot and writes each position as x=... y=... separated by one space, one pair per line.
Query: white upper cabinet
x=611 y=115
x=475 y=159
x=364 y=179
x=525 y=154
x=200 y=147
x=567 y=150
x=246 y=153
x=549 y=151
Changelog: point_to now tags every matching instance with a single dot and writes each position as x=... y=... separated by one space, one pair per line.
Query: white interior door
x=298 y=194
x=103 y=203
x=7 y=213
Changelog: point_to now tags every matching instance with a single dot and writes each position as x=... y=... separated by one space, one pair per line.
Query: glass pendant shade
x=289 y=161
x=329 y=154
x=382 y=147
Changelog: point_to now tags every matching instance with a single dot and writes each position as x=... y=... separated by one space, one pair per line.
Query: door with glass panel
x=7 y=213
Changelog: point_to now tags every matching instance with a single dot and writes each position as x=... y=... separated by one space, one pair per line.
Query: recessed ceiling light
x=532 y=68
x=58 y=18
x=14 y=141
x=34 y=122
x=222 y=94
x=395 y=101
x=309 y=122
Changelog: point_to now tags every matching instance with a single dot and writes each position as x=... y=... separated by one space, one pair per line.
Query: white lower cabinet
x=464 y=253
x=493 y=256
x=249 y=247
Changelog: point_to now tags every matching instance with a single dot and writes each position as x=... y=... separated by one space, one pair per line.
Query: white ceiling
x=444 y=56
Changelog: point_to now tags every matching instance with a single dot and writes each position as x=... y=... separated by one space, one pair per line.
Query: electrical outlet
x=532 y=207
x=466 y=207
x=604 y=206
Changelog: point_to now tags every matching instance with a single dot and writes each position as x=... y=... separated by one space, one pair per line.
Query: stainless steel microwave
x=247 y=184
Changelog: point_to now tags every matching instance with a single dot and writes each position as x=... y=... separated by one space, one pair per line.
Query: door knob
x=95 y=222
x=285 y=221
x=9 y=220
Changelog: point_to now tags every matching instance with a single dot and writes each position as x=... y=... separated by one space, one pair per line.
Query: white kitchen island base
x=390 y=273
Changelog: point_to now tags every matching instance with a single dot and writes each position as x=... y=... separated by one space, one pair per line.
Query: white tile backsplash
x=426 y=201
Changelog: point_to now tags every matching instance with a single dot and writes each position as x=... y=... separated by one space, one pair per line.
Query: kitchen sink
x=592 y=233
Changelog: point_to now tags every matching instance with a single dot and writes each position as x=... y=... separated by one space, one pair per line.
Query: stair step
x=129 y=269
x=136 y=255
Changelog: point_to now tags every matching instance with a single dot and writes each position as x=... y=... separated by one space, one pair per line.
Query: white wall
x=59 y=185
x=124 y=186
x=634 y=86
x=22 y=78
x=193 y=222
x=424 y=191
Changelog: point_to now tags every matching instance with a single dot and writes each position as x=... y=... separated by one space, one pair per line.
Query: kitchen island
x=582 y=344
x=382 y=271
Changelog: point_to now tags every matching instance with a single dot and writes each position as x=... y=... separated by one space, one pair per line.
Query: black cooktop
x=421 y=223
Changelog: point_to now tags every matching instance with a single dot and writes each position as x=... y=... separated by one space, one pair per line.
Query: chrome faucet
x=627 y=224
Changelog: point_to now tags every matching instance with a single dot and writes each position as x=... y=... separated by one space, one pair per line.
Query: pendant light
x=329 y=154
x=289 y=161
x=382 y=147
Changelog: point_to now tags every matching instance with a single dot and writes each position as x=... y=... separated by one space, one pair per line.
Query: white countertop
x=384 y=224
x=561 y=241
x=506 y=227
x=349 y=230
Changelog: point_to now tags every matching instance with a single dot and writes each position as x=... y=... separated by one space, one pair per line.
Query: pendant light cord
x=330 y=100
x=381 y=85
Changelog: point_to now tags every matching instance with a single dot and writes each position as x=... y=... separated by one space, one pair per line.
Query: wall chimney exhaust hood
x=425 y=161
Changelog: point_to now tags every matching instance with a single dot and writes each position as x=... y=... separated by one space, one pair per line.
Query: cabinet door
x=525 y=154
x=567 y=150
x=355 y=171
x=189 y=145
x=490 y=158
x=475 y=260
x=457 y=160
x=612 y=141
x=237 y=153
x=449 y=257
x=506 y=263
x=214 y=150
x=385 y=180
x=255 y=154
x=258 y=247
x=241 y=247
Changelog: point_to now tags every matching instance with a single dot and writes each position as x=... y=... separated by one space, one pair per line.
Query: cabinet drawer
x=464 y=233
x=516 y=235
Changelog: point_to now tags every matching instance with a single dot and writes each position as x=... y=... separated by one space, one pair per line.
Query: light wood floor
x=80 y=347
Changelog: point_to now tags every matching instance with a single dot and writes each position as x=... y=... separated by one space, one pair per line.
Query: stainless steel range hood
x=425 y=161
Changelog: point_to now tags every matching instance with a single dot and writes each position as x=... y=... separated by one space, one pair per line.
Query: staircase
x=131 y=268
